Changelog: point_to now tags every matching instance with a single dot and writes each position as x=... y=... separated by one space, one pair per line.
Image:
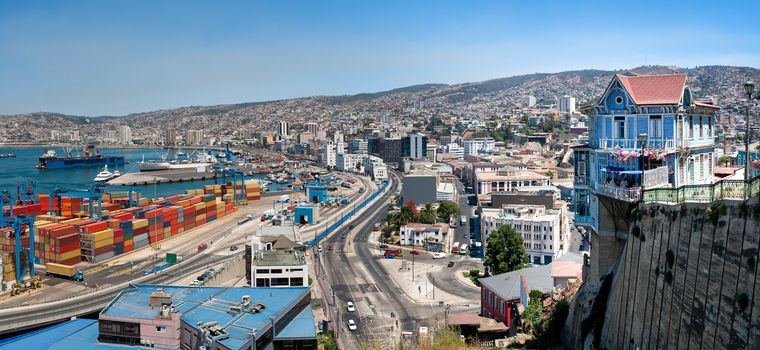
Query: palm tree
x=428 y=214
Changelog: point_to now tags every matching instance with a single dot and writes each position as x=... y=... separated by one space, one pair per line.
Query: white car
x=195 y=282
x=350 y=307
x=439 y=256
x=351 y=325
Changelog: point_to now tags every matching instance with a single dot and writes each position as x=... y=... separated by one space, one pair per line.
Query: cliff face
x=686 y=279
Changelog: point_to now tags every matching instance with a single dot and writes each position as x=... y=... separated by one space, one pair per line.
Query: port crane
x=18 y=223
x=236 y=176
x=93 y=193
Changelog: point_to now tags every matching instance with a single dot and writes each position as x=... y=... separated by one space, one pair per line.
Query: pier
x=160 y=177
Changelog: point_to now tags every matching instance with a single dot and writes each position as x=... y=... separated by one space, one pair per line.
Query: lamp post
x=643 y=140
x=749 y=87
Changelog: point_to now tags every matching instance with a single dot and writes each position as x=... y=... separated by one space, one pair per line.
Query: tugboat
x=106 y=175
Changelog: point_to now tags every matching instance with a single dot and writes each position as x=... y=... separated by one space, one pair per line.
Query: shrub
x=668 y=277
x=642 y=238
x=635 y=231
x=475 y=273
x=695 y=211
x=657 y=271
x=670 y=258
x=466 y=274
x=751 y=264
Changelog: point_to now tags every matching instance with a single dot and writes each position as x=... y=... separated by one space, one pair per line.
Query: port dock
x=160 y=177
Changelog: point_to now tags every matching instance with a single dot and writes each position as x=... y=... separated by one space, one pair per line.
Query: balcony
x=635 y=144
x=697 y=142
x=628 y=194
x=581 y=180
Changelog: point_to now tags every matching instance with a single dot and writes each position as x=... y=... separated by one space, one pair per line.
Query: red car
x=329 y=247
x=375 y=229
x=414 y=252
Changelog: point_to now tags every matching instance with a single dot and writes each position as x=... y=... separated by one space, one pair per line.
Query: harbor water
x=22 y=168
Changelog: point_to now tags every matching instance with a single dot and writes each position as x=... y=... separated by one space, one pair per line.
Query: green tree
x=505 y=251
x=447 y=210
x=427 y=214
x=534 y=311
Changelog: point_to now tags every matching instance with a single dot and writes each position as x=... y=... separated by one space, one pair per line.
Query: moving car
x=451 y=264
x=342 y=235
x=195 y=283
x=350 y=307
x=351 y=325
x=414 y=252
x=439 y=255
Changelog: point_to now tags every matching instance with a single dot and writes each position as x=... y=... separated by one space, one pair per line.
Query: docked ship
x=49 y=159
x=200 y=163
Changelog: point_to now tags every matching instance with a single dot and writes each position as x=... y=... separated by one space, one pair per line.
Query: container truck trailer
x=65 y=271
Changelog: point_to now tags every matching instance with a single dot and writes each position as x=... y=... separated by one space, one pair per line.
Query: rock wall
x=685 y=279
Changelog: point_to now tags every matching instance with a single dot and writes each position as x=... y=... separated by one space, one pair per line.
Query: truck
x=66 y=271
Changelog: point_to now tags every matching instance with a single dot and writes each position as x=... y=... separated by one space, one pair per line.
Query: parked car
x=319 y=248
x=351 y=325
x=330 y=247
x=195 y=283
x=383 y=246
x=233 y=248
x=451 y=264
x=414 y=252
x=439 y=255
x=342 y=235
x=350 y=307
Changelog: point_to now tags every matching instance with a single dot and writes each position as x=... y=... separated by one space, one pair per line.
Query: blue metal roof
x=196 y=304
x=43 y=338
x=301 y=327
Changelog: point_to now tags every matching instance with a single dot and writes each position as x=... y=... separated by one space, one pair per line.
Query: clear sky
x=119 y=57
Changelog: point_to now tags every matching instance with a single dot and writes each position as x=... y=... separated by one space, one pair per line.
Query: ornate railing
x=722 y=190
x=631 y=194
x=635 y=144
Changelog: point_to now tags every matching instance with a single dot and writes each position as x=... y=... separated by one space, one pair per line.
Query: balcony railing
x=656 y=177
x=634 y=144
x=581 y=180
x=696 y=142
x=628 y=194
x=722 y=190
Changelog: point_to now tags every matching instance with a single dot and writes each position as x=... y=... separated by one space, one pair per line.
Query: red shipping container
x=200 y=222
x=95 y=227
x=66 y=248
x=72 y=261
x=101 y=250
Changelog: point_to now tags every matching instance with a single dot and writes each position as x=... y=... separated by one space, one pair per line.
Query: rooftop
x=206 y=304
x=510 y=176
x=279 y=258
x=507 y=285
x=418 y=226
x=654 y=89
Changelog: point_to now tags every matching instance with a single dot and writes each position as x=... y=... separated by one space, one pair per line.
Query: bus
x=393 y=252
x=455 y=248
x=463 y=220
x=463 y=249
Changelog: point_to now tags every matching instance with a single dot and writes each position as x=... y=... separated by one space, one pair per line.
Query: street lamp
x=643 y=140
x=749 y=88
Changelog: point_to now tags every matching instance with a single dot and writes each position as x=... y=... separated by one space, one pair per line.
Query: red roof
x=654 y=89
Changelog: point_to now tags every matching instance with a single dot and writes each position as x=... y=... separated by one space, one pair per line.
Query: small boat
x=106 y=175
x=7 y=155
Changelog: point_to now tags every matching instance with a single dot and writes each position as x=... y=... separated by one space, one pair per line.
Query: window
x=161 y=329
x=701 y=167
x=262 y=282
x=619 y=100
x=262 y=270
x=655 y=127
x=619 y=127
x=276 y=270
x=296 y=281
x=691 y=169
x=690 y=125
x=699 y=125
x=709 y=126
x=283 y=281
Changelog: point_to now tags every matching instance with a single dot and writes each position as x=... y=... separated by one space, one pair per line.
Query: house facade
x=645 y=131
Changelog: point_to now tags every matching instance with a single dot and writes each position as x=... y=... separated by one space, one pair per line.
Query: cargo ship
x=49 y=159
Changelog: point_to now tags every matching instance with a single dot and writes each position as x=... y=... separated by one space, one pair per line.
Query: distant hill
x=494 y=96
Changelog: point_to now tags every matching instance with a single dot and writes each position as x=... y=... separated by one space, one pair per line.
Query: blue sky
x=119 y=57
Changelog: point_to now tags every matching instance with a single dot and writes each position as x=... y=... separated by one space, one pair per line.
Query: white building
x=455 y=150
x=542 y=229
x=311 y=127
x=418 y=234
x=282 y=128
x=350 y=162
x=432 y=152
x=567 y=104
x=276 y=268
x=531 y=101
x=445 y=191
x=358 y=146
x=375 y=168
x=417 y=146
x=478 y=145
x=339 y=142
x=124 y=134
x=507 y=180
x=327 y=155
x=193 y=137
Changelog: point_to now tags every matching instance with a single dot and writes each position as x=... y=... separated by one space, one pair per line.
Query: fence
x=346 y=216
x=722 y=190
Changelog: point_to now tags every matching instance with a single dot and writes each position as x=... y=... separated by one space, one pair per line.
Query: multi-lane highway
x=355 y=274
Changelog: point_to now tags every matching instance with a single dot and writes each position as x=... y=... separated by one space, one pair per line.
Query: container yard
x=65 y=231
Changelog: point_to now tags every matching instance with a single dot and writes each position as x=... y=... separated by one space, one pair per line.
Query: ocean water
x=14 y=171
